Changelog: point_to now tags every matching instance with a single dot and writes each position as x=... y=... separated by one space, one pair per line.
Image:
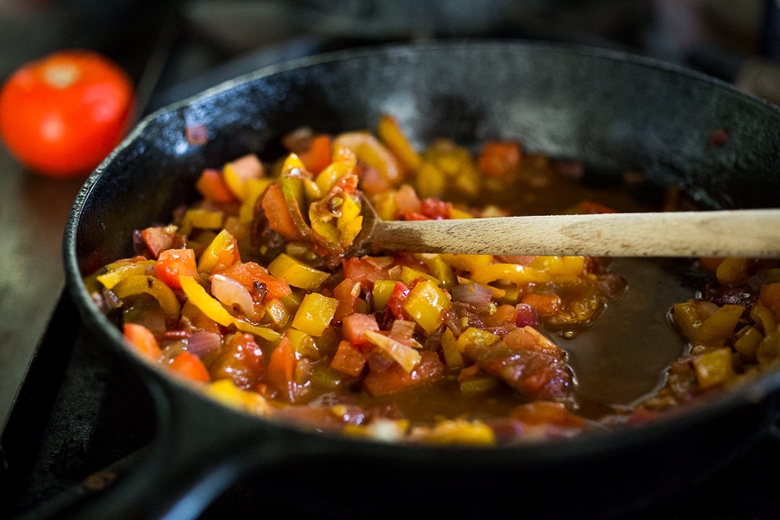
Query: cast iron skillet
x=609 y=109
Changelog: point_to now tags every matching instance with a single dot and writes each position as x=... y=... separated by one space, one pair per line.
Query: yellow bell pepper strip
x=238 y=172
x=515 y=273
x=475 y=336
x=296 y=273
x=721 y=324
x=456 y=431
x=277 y=312
x=748 y=339
x=468 y=263
x=404 y=355
x=425 y=304
x=350 y=222
x=763 y=317
x=344 y=162
x=391 y=135
x=315 y=313
x=140 y=284
x=371 y=152
x=559 y=265
x=254 y=189
x=449 y=346
x=211 y=307
x=439 y=269
x=303 y=343
x=118 y=271
x=770 y=297
x=732 y=270
x=222 y=252
x=226 y=392
x=477 y=383
x=199 y=218
x=431 y=181
x=713 y=368
x=381 y=293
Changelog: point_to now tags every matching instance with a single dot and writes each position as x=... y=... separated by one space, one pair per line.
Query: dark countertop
x=33 y=211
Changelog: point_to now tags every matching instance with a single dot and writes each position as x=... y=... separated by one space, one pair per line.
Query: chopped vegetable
x=253 y=294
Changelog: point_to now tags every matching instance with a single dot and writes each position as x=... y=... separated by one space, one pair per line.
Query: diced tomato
x=710 y=263
x=249 y=274
x=365 y=271
x=348 y=298
x=318 y=155
x=348 y=360
x=226 y=257
x=436 y=209
x=587 y=207
x=143 y=340
x=281 y=367
x=396 y=301
x=240 y=360
x=545 y=304
x=499 y=158
x=395 y=378
x=190 y=366
x=173 y=263
x=275 y=208
x=212 y=186
x=412 y=215
x=348 y=183
x=504 y=315
x=355 y=325
x=546 y=412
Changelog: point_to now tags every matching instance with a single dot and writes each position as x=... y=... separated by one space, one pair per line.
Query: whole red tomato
x=62 y=114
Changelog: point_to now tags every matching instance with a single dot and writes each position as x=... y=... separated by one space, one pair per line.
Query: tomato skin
x=61 y=115
x=173 y=263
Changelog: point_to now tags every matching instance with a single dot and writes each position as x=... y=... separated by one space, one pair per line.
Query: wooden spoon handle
x=743 y=233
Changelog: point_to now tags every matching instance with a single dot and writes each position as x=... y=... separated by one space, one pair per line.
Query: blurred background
x=173 y=49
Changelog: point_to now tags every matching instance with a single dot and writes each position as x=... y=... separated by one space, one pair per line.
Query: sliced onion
x=402 y=354
x=230 y=293
x=203 y=343
x=402 y=330
x=473 y=293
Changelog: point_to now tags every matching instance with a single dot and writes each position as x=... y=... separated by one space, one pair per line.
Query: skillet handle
x=201 y=450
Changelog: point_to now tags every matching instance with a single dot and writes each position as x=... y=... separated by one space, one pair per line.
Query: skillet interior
x=612 y=111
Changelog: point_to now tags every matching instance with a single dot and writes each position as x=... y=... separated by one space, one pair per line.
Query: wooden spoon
x=753 y=233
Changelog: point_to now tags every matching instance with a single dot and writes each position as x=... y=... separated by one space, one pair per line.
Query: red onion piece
x=202 y=343
x=526 y=315
x=230 y=292
x=473 y=293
